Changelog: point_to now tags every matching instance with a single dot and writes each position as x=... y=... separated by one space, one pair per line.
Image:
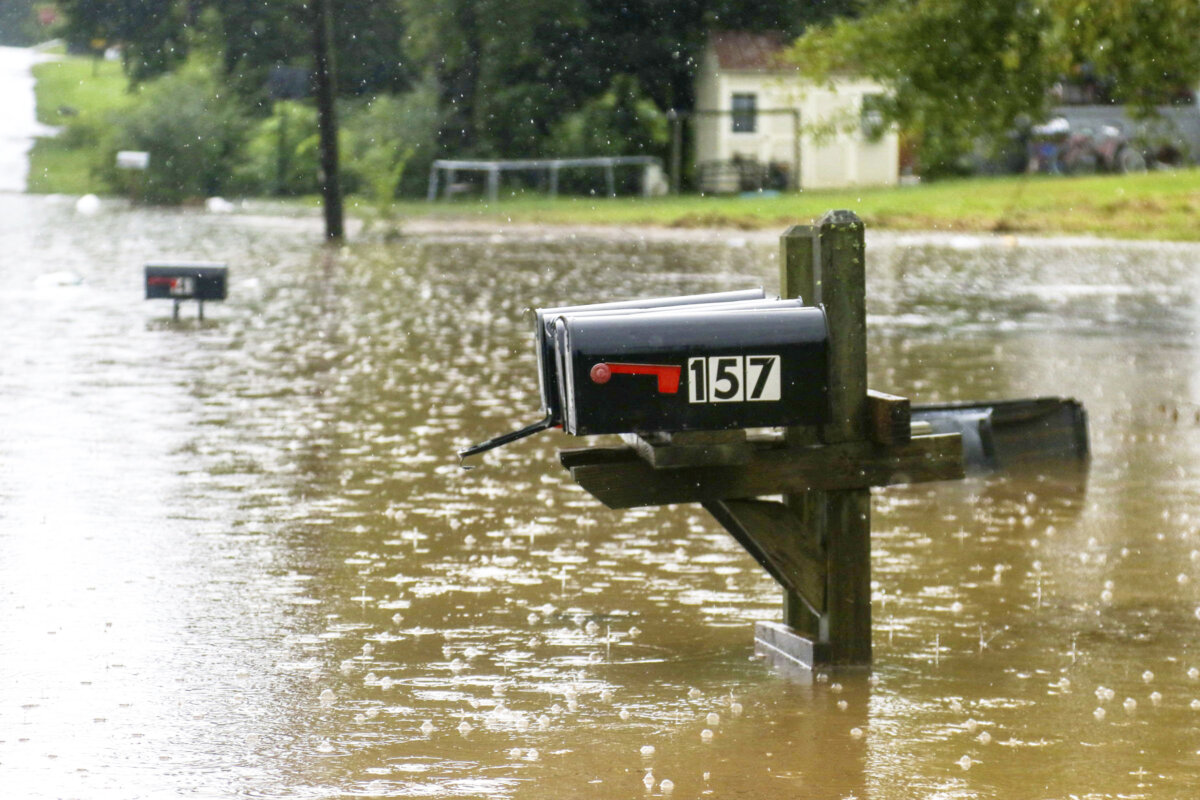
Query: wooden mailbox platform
x=815 y=541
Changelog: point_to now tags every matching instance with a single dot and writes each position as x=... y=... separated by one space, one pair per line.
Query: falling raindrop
x=965 y=762
x=327 y=697
x=856 y=733
x=1099 y=713
x=694 y=694
x=1130 y=705
x=1155 y=698
x=647 y=750
x=426 y=727
x=985 y=737
x=368 y=649
x=648 y=781
x=735 y=709
x=1147 y=676
x=624 y=715
x=842 y=705
x=667 y=786
x=706 y=735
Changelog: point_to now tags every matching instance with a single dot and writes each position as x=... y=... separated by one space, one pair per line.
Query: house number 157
x=733 y=379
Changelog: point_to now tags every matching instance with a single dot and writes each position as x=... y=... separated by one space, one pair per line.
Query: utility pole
x=331 y=187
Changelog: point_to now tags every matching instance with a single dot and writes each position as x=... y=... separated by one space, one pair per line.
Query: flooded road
x=18 y=124
x=238 y=557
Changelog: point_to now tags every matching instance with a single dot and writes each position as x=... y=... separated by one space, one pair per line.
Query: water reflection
x=239 y=557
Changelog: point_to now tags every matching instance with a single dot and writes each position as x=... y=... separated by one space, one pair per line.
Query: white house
x=757 y=112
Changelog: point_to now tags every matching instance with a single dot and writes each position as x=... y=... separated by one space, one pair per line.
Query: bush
x=192 y=132
x=390 y=143
x=621 y=122
x=281 y=154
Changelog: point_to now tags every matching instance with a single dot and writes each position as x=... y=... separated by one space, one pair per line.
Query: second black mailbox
x=692 y=370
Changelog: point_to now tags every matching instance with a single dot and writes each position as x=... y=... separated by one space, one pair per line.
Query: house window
x=873 y=124
x=744 y=113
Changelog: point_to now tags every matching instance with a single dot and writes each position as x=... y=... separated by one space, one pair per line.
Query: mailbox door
x=544 y=329
x=691 y=370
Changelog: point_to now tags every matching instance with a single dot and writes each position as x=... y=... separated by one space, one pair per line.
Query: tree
x=509 y=72
x=963 y=72
x=152 y=33
x=959 y=70
x=1148 y=51
x=19 y=24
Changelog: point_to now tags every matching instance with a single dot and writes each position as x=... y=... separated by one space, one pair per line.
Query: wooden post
x=797 y=152
x=799 y=277
x=847 y=517
x=493 y=184
x=825 y=265
x=331 y=187
x=676 y=148
x=433 y=184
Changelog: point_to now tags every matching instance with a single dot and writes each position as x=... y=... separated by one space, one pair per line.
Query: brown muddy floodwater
x=238 y=557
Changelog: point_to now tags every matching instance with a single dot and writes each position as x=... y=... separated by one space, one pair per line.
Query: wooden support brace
x=769 y=532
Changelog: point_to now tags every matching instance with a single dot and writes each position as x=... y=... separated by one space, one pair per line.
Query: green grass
x=76 y=94
x=1154 y=205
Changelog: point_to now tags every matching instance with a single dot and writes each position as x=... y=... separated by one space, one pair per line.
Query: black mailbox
x=544 y=330
x=695 y=363
x=699 y=370
x=183 y=280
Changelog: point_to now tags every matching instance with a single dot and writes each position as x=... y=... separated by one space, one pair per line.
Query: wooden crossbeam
x=619 y=478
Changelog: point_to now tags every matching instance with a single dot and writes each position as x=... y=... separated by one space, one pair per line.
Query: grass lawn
x=1154 y=205
x=79 y=93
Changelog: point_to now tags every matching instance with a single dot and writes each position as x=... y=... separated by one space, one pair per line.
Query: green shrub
x=192 y=131
x=390 y=144
x=280 y=156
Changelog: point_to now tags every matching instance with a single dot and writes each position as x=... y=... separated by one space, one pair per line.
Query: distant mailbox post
x=185 y=280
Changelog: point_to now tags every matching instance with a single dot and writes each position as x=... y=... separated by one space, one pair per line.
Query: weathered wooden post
x=827 y=264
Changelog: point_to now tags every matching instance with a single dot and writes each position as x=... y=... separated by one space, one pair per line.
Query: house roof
x=741 y=50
